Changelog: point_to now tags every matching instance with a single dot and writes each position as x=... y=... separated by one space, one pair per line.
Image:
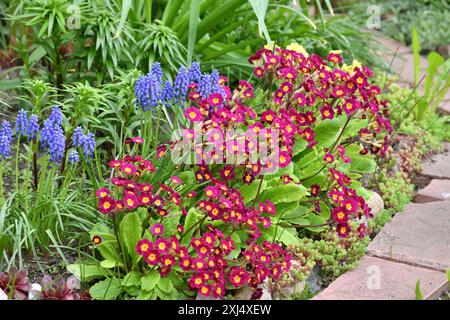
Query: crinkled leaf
x=108 y=289
x=165 y=284
x=87 y=272
x=249 y=191
x=132 y=278
x=149 y=281
x=284 y=193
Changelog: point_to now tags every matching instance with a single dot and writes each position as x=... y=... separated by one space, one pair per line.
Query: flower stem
x=1 y=183
x=17 y=163
x=261 y=179
x=35 y=166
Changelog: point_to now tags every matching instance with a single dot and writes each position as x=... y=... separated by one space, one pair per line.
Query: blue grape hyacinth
x=53 y=140
x=86 y=142
x=195 y=72
x=5 y=139
x=21 y=123
x=181 y=84
x=147 y=91
x=157 y=72
x=167 y=94
x=32 y=127
x=74 y=157
x=56 y=116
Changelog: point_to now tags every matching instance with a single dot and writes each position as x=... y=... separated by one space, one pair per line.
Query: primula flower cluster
x=303 y=91
x=308 y=90
x=132 y=194
x=208 y=263
x=206 y=257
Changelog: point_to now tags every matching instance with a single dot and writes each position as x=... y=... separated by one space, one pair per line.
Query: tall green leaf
x=126 y=5
x=193 y=23
x=419 y=294
x=260 y=9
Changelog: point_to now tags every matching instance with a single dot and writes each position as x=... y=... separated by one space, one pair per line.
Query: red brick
x=379 y=279
x=420 y=235
x=437 y=190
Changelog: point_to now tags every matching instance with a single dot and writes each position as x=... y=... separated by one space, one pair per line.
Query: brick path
x=414 y=245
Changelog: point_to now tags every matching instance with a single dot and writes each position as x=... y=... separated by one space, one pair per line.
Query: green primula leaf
x=165 y=284
x=108 y=264
x=287 y=236
x=295 y=215
x=108 y=250
x=193 y=216
x=299 y=146
x=249 y=191
x=363 y=165
x=319 y=179
x=132 y=278
x=327 y=131
x=131 y=230
x=146 y=295
x=288 y=170
x=285 y=207
x=149 y=281
x=315 y=220
x=308 y=166
x=87 y=272
x=284 y=193
x=108 y=289
x=324 y=211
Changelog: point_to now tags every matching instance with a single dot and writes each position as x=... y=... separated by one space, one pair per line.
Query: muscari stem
x=17 y=163
x=1 y=183
x=35 y=167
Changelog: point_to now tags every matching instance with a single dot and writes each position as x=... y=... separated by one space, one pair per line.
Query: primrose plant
x=221 y=218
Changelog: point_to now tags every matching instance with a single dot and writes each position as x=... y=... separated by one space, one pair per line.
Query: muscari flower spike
x=5 y=139
x=74 y=157
x=205 y=85
x=85 y=142
x=147 y=91
x=21 y=123
x=181 y=84
x=32 y=127
x=195 y=72
x=167 y=94
x=157 y=72
x=53 y=139
x=56 y=116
